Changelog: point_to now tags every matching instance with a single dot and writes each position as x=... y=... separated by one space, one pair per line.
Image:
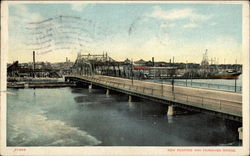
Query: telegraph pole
x=161 y=83
x=34 y=65
x=235 y=84
x=132 y=74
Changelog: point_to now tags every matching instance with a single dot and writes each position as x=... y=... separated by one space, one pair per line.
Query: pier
x=227 y=105
x=38 y=84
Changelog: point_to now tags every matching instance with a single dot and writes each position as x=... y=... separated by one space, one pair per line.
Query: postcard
x=124 y=78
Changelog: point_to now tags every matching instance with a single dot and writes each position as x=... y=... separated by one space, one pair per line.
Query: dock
x=38 y=84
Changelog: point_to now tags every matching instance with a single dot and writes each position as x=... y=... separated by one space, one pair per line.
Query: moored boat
x=228 y=74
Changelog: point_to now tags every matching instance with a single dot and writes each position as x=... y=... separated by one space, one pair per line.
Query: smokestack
x=153 y=61
x=34 y=60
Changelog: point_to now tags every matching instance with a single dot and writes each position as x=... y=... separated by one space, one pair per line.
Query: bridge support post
x=170 y=110
x=107 y=92
x=90 y=86
x=129 y=98
x=240 y=133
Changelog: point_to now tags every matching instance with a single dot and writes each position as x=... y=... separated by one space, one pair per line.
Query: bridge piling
x=90 y=86
x=170 y=110
x=107 y=92
x=240 y=133
x=129 y=98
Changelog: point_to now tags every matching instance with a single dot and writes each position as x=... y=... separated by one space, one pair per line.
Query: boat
x=227 y=74
x=218 y=73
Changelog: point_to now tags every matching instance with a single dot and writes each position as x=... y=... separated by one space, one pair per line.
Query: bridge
x=220 y=103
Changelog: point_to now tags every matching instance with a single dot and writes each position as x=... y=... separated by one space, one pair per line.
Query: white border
x=3 y=71
x=246 y=70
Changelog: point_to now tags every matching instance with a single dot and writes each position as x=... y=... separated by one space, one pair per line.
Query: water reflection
x=75 y=116
x=170 y=119
x=131 y=106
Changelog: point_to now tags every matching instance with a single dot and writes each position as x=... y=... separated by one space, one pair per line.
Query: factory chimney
x=34 y=63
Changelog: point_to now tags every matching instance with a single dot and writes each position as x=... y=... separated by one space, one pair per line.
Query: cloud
x=192 y=15
x=213 y=23
x=78 y=7
x=190 y=25
x=225 y=41
x=23 y=15
x=177 y=14
x=167 y=25
x=19 y=18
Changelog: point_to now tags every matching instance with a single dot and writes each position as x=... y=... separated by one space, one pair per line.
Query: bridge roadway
x=221 y=103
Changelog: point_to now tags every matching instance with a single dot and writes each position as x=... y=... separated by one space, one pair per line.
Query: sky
x=126 y=30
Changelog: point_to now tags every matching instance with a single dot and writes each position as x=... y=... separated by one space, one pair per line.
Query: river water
x=79 y=117
x=232 y=85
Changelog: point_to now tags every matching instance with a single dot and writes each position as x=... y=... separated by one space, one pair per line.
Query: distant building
x=127 y=61
x=26 y=70
x=140 y=62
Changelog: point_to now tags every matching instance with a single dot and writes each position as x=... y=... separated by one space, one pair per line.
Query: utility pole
x=235 y=84
x=108 y=66
x=186 y=71
x=34 y=63
x=132 y=74
x=191 y=79
x=161 y=83
x=172 y=73
x=153 y=63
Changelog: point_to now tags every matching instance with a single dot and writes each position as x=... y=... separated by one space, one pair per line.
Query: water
x=77 y=117
x=217 y=84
